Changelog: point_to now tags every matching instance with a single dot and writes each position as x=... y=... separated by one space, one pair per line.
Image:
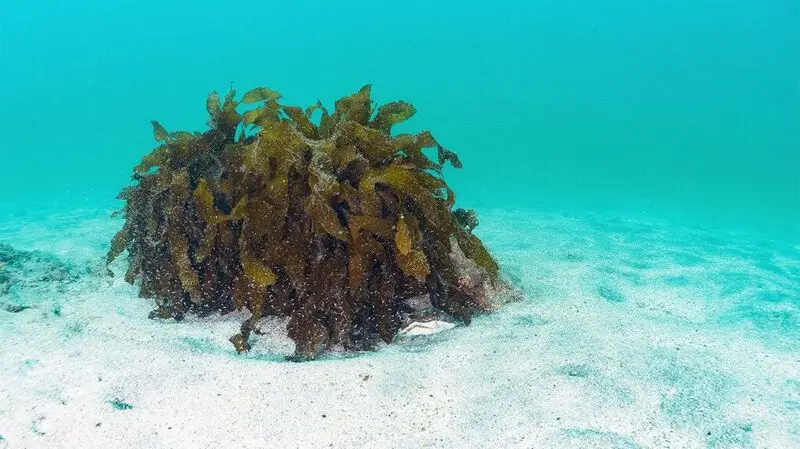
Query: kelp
x=332 y=222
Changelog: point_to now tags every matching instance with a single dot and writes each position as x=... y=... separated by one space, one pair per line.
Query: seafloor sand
x=632 y=335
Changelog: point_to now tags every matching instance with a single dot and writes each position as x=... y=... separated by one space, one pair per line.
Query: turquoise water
x=635 y=166
x=680 y=108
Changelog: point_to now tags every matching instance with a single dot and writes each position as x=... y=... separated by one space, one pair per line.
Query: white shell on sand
x=426 y=327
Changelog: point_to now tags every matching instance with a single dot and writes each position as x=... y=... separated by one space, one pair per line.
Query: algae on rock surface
x=332 y=222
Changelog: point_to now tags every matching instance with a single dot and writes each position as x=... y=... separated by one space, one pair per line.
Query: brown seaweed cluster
x=325 y=218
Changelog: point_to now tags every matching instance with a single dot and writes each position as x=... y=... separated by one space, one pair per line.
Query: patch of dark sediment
x=29 y=278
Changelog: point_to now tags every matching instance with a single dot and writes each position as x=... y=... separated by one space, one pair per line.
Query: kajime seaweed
x=327 y=218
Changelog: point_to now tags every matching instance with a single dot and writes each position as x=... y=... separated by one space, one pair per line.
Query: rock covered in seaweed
x=327 y=218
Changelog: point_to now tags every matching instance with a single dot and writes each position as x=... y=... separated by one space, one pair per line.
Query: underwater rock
x=419 y=317
x=415 y=309
x=418 y=303
x=30 y=273
x=44 y=266
x=327 y=218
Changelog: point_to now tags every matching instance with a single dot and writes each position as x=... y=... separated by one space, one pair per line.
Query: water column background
x=682 y=109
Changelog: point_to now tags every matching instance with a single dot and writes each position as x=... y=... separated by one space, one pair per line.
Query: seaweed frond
x=331 y=222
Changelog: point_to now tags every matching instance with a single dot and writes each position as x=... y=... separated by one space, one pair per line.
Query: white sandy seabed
x=632 y=335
